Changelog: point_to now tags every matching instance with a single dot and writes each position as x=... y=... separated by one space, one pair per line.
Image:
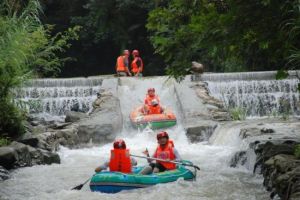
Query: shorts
x=159 y=166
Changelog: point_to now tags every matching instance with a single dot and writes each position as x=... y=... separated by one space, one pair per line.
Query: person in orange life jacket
x=154 y=108
x=150 y=96
x=166 y=151
x=148 y=100
x=120 y=159
x=122 y=65
x=137 y=64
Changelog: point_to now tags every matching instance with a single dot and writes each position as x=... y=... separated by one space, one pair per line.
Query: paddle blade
x=78 y=187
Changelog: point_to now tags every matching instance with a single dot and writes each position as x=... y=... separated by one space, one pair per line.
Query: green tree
x=232 y=35
x=110 y=26
x=27 y=49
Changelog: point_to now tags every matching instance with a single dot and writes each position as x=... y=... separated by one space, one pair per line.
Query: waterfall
x=245 y=76
x=257 y=96
x=56 y=96
x=257 y=93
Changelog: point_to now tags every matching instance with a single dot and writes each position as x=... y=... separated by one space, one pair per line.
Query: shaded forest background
x=225 y=35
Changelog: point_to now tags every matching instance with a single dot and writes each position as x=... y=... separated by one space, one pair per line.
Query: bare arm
x=177 y=156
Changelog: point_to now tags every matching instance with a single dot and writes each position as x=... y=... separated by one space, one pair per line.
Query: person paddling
x=120 y=160
x=165 y=151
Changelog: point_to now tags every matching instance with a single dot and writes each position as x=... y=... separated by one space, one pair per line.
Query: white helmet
x=154 y=102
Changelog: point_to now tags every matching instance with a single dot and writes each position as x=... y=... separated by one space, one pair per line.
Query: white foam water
x=215 y=181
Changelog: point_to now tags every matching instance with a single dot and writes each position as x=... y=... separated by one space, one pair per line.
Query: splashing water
x=259 y=97
x=216 y=180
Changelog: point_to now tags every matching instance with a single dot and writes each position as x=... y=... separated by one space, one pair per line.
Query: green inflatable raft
x=113 y=182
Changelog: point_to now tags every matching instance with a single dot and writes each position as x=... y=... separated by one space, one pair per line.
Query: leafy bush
x=27 y=49
x=238 y=113
x=11 y=119
x=4 y=141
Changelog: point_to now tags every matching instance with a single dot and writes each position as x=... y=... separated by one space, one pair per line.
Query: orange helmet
x=135 y=52
x=126 y=52
x=162 y=134
x=119 y=144
x=151 y=89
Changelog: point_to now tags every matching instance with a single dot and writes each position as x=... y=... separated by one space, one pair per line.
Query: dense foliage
x=108 y=27
x=225 y=35
x=232 y=35
x=26 y=49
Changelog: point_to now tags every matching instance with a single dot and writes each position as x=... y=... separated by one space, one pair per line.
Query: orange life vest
x=120 y=161
x=120 y=66
x=134 y=66
x=154 y=110
x=171 y=143
x=148 y=99
x=165 y=153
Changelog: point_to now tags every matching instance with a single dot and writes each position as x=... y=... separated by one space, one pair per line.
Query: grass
x=238 y=113
x=4 y=141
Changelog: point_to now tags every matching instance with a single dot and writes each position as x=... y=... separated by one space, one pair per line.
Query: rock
x=34 y=123
x=267 y=130
x=72 y=116
x=103 y=124
x=247 y=132
x=20 y=155
x=280 y=168
x=33 y=141
x=50 y=157
x=4 y=174
x=58 y=125
x=239 y=158
x=197 y=67
x=8 y=157
x=40 y=156
x=200 y=132
x=23 y=158
x=38 y=129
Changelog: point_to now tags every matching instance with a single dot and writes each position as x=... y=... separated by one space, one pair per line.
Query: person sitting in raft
x=120 y=160
x=166 y=151
x=154 y=108
x=150 y=96
x=151 y=103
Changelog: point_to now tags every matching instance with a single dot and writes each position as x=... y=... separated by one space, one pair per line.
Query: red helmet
x=135 y=52
x=151 y=89
x=119 y=144
x=162 y=134
x=126 y=52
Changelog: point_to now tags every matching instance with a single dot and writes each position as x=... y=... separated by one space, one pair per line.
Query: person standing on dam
x=122 y=64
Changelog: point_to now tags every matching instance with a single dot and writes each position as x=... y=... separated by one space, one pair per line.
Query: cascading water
x=216 y=180
x=258 y=97
x=53 y=97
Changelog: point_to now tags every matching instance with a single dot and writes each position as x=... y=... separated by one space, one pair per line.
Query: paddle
x=175 y=162
x=78 y=187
